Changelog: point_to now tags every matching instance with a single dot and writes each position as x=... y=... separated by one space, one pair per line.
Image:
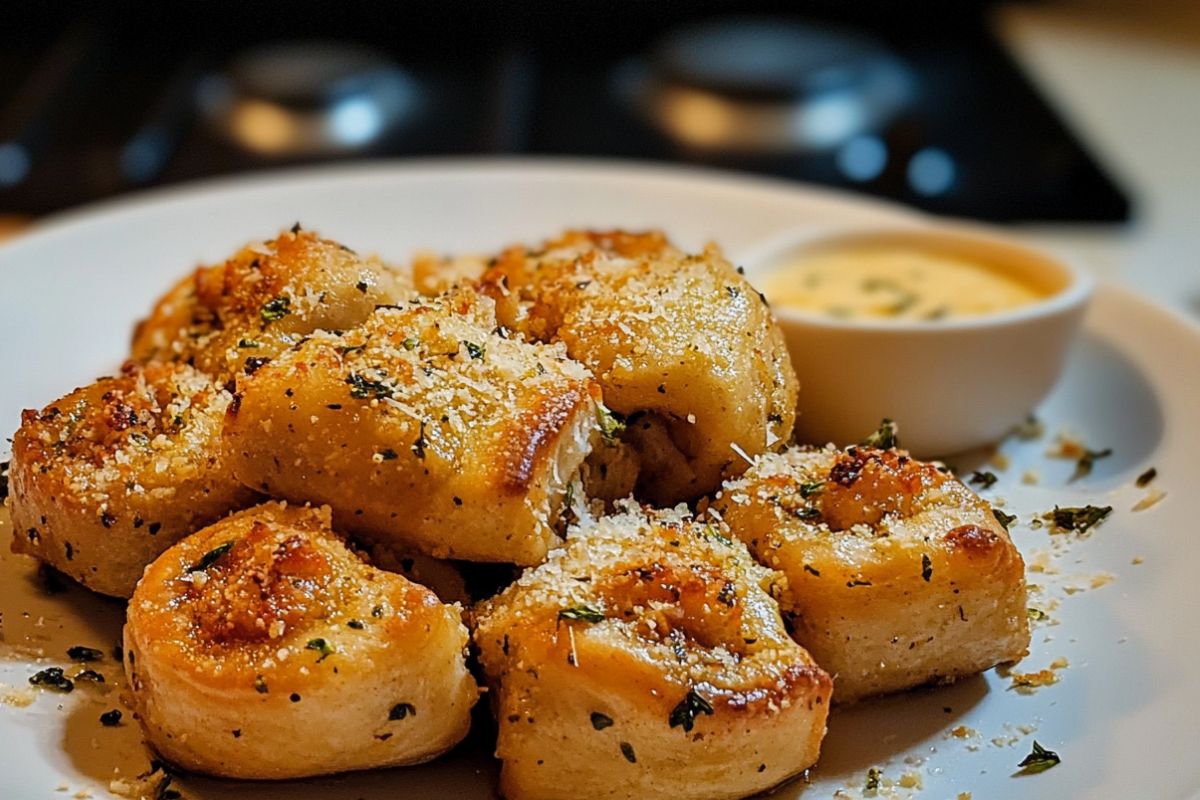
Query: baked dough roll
x=684 y=348
x=426 y=427
x=648 y=659
x=228 y=318
x=106 y=478
x=261 y=647
x=898 y=574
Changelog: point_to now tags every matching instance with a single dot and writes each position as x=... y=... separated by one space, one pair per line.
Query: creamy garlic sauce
x=903 y=283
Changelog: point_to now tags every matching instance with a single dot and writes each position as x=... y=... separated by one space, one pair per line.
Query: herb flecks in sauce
x=895 y=281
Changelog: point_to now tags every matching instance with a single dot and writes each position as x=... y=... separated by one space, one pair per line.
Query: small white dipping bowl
x=952 y=384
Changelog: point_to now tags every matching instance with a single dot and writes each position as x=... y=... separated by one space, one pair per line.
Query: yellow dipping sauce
x=889 y=282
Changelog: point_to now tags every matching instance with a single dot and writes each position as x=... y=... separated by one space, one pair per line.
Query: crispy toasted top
x=450 y=385
x=859 y=492
x=271 y=589
x=263 y=300
x=633 y=293
x=657 y=600
x=146 y=427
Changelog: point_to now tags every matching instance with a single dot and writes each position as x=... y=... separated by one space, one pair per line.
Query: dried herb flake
x=886 y=437
x=581 y=614
x=684 y=714
x=211 y=557
x=322 y=647
x=83 y=654
x=52 y=678
x=1039 y=760
x=275 y=308
x=984 y=479
x=1079 y=518
x=1004 y=519
x=402 y=710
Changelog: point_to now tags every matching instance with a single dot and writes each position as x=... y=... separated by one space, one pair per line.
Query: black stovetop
x=92 y=106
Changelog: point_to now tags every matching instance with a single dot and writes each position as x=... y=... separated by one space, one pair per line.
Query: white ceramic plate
x=1124 y=715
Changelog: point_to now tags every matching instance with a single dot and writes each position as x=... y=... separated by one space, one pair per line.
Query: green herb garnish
x=362 y=388
x=808 y=513
x=713 y=532
x=1039 y=760
x=601 y=721
x=984 y=479
x=402 y=710
x=807 y=490
x=581 y=614
x=275 y=308
x=254 y=364
x=475 y=351
x=1083 y=467
x=110 y=718
x=873 y=776
x=1036 y=614
x=1031 y=428
x=684 y=714
x=321 y=646
x=211 y=557
x=388 y=454
x=627 y=751
x=926 y=567
x=411 y=343
x=420 y=444
x=248 y=343
x=52 y=678
x=1004 y=519
x=610 y=426
x=80 y=653
x=884 y=438
x=1079 y=518
x=1143 y=480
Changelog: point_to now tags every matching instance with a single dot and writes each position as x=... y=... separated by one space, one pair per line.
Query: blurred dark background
x=912 y=101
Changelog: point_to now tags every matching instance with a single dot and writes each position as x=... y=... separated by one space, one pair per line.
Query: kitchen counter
x=1126 y=77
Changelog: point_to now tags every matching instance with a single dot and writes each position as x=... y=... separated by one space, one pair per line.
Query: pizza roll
x=686 y=351
x=106 y=478
x=229 y=318
x=427 y=427
x=898 y=574
x=648 y=643
x=261 y=647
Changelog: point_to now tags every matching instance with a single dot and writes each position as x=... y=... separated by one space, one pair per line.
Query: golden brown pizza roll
x=427 y=427
x=898 y=574
x=686 y=351
x=648 y=658
x=229 y=318
x=261 y=647
x=106 y=478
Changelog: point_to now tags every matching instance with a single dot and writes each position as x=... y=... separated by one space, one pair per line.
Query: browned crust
x=973 y=540
x=535 y=433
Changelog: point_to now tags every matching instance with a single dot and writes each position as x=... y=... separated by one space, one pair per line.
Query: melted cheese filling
x=894 y=283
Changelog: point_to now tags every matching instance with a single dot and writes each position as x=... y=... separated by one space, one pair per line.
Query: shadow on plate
x=872 y=732
x=1104 y=399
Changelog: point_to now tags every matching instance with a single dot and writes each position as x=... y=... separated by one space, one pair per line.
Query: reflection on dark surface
x=911 y=101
